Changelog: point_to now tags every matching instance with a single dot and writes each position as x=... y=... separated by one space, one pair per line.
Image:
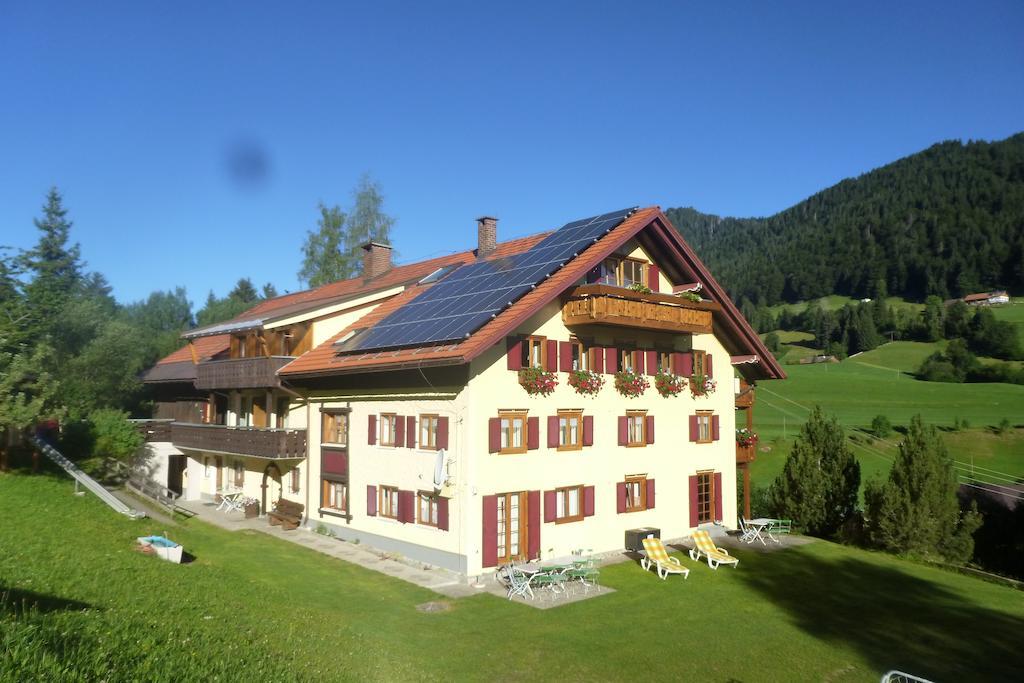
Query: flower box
x=701 y=385
x=585 y=382
x=668 y=384
x=536 y=381
x=745 y=438
x=630 y=384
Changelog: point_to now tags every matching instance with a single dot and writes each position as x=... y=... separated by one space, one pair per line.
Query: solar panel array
x=465 y=300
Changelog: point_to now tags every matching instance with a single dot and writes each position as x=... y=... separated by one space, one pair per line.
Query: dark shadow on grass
x=18 y=601
x=893 y=619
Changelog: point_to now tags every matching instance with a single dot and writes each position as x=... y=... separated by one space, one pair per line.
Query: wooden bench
x=287 y=514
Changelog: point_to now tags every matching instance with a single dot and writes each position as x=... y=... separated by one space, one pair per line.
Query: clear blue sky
x=155 y=119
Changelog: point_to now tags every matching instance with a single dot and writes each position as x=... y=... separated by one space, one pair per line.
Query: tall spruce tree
x=818 y=484
x=53 y=265
x=916 y=511
x=325 y=257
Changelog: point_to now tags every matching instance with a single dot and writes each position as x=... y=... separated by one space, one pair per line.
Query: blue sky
x=193 y=140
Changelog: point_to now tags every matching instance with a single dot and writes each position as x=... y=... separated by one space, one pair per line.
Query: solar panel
x=466 y=299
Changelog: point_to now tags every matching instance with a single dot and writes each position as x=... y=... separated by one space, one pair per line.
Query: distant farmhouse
x=987 y=298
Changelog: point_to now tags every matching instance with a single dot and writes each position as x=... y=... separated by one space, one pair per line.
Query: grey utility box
x=635 y=537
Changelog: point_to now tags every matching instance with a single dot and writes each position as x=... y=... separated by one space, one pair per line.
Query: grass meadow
x=78 y=604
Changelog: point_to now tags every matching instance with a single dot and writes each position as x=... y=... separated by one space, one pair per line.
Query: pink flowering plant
x=630 y=384
x=746 y=438
x=585 y=382
x=668 y=384
x=702 y=385
x=537 y=381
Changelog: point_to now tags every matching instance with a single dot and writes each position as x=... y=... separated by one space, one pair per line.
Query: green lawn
x=251 y=607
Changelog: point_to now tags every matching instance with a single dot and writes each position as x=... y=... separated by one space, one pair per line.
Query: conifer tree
x=54 y=267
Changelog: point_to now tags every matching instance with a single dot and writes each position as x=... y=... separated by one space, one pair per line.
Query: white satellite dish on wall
x=439 y=469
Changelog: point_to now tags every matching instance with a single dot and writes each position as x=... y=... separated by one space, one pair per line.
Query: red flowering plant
x=668 y=384
x=745 y=438
x=630 y=384
x=702 y=385
x=586 y=382
x=537 y=381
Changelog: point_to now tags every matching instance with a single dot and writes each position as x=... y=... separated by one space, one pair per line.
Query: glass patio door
x=511 y=526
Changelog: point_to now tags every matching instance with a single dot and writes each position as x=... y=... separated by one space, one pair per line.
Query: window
x=428 y=432
x=664 y=361
x=335 y=495
x=207 y=468
x=388 y=425
x=699 y=364
x=295 y=479
x=628 y=361
x=636 y=493
x=239 y=468
x=245 y=411
x=426 y=508
x=704 y=426
x=580 y=357
x=632 y=272
x=281 y=412
x=335 y=429
x=570 y=430
x=388 y=502
x=513 y=432
x=609 y=273
x=705 y=497
x=568 y=504
x=636 y=428
x=533 y=353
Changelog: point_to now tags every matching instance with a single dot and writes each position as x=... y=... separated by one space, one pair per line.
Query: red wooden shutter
x=709 y=368
x=588 y=501
x=718 y=496
x=653 y=281
x=620 y=497
x=687 y=370
x=650 y=494
x=694 y=514
x=650 y=429
x=652 y=362
x=588 y=430
x=677 y=362
x=550 y=506
x=400 y=431
x=694 y=429
x=565 y=356
x=623 y=430
x=406 y=507
x=494 y=435
x=410 y=431
x=371 y=430
x=442 y=432
x=552 y=431
x=442 y=513
x=597 y=356
x=638 y=361
x=611 y=360
x=533 y=524
x=489 y=551
x=371 y=501
x=532 y=433
x=514 y=354
x=551 y=357
x=714 y=428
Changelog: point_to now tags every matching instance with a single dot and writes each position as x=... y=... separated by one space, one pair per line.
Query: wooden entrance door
x=175 y=469
x=271 y=487
x=220 y=474
x=512 y=527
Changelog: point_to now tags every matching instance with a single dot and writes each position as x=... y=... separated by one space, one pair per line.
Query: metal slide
x=85 y=480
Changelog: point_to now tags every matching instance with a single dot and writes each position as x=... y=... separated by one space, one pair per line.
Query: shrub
x=880 y=426
x=115 y=436
x=1003 y=427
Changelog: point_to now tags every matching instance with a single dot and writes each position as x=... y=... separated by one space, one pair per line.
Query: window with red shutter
x=551 y=356
x=588 y=430
x=652 y=362
x=399 y=431
x=708 y=365
x=550 y=511
x=623 y=430
x=565 y=356
x=694 y=515
x=489 y=549
x=442 y=513
x=650 y=494
x=649 y=434
x=552 y=431
x=514 y=353
x=694 y=428
x=653 y=281
x=532 y=433
x=611 y=360
x=597 y=357
x=718 y=496
x=714 y=428
x=410 y=431
x=442 y=432
x=494 y=435
x=533 y=524
x=620 y=497
x=588 y=501
x=371 y=430
x=371 y=501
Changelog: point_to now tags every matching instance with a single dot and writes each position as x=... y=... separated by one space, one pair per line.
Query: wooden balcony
x=745 y=454
x=154 y=430
x=249 y=441
x=607 y=305
x=745 y=399
x=240 y=373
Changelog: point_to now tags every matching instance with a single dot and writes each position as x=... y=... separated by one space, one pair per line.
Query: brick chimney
x=376 y=259
x=486 y=235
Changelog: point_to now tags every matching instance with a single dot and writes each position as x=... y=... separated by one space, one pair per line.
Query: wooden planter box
x=252 y=511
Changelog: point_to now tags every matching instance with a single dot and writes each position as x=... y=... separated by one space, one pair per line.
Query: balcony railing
x=745 y=454
x=250 y=441
x=607 y=305
x=240 y=373
x=154 y=430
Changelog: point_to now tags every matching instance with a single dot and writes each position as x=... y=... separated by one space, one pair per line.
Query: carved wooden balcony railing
x=607 y=305
x=240 y=373
x=250 y=441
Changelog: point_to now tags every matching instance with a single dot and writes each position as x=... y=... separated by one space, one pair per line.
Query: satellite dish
x=439 y=469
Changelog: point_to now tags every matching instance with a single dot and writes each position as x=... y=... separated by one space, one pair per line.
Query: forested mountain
x=946 y=221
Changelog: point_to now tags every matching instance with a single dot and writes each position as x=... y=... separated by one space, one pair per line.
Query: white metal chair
x=747 y=532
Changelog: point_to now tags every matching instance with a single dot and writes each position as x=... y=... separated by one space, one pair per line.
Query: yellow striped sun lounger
x=703 y=545
x=656 y=556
